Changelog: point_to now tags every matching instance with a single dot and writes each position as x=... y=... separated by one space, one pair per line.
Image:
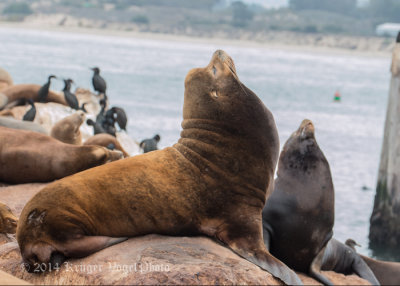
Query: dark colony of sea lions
x=79 y=141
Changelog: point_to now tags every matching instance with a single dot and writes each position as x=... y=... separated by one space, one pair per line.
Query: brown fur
x=67 y=130
x=104 y=140
x=5 y=79
x=387 y=273
x=214 y=181
x=26 y=91
x=8 y=221
x=27 y=156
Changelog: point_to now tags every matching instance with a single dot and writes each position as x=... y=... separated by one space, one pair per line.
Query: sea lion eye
x=214 y=70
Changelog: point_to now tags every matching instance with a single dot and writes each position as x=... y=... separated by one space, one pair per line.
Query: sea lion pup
x=387 y=273
x=299 y=215
x=8 y=221
x=25 y=91
x=22 y=125
x=67 y=130
x=33 y=157
x=214 y=181
x=149 y=145
x=105 y=140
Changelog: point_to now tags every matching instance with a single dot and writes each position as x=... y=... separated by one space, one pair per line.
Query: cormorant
x=99 y=84
x=44 y=90
x=121 y=117
x=150 y=144
x=31 y=113
x=70 y=98
x=97 y=128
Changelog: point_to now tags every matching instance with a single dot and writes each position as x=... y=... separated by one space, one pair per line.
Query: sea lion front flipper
x=315 y=268
x=86 y=245
x=362 y=269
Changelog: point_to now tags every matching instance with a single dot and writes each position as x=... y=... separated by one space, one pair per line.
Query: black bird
x=121 y=117
x=31 y=113
x=150 y=144
x=70 y=98
x=99 y=83
x=97 y=128
x=44 y=90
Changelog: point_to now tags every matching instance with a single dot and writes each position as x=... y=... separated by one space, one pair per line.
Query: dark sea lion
x=27 y=156
x=67 y=129
x=25 y=91
x=8 y=221
x=387 y=273
x=22 y=125
x=343 y=259
x=214 y=181
x=299 y=215
x=105 y=140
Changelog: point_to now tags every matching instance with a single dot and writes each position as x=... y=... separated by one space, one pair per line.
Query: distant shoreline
x=276 y=43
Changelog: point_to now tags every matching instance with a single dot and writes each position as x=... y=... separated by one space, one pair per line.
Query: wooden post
x=385 y=219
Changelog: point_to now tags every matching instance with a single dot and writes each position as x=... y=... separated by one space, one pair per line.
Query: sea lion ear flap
x=35 y=217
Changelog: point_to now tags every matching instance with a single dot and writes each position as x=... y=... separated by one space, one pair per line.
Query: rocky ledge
x=151 y=259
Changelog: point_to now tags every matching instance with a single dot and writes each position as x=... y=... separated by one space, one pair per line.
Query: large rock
x=155 y=259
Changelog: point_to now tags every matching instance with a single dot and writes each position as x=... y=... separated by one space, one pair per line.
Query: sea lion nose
x=220 y=54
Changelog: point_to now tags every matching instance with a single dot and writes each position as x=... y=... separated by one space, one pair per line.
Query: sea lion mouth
x=306 y=129
x=225 y=59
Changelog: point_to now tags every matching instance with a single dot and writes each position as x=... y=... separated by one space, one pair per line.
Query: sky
x=283 y=3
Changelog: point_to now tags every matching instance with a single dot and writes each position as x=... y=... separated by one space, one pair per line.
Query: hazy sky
x=282 y=3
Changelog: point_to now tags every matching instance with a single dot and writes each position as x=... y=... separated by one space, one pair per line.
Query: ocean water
x=146 y=78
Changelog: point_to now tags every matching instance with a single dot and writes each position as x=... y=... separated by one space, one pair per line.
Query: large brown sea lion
x=387 y=272
x=105 y=140
x=25 y=91
x=67 y=129
x=8 y=221
x=214 y=181
x=299 y=215
x=27 y=156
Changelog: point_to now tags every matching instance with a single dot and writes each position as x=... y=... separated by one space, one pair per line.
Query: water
x=146 y=77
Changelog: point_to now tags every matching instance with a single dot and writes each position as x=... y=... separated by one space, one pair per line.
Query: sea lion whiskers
x=233 y=72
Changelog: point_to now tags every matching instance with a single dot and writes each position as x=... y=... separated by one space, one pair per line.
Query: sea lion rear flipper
x=362 y=269
x=262 y=258
x=315 y=268
x=86 y=245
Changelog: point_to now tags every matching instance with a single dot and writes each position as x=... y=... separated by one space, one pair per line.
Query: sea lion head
x=215 y=96
x=8 y=221
x=301 y=153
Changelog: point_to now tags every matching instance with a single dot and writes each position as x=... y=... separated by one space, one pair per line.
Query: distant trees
x=20 y=8
x=338 y=6
x=241 y=14
x=387 y=9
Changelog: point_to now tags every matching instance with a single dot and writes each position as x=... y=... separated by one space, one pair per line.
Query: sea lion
x=67 y=130
x=22 y=125
x=387 y=273
x=27 y=156
x=299 y=215
x=8 y=221
x=214 y=181
x=25 y=91
x=149 y=145
x=5 y=79
x=105 y=140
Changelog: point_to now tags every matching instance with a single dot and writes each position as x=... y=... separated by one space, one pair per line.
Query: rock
x=7 y=279
x=155 y=259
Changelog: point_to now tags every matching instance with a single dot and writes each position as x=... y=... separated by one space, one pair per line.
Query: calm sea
x=146 y=77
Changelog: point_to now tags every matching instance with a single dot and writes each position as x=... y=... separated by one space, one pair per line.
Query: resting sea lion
x=26 y=91
x=27 y=156
x=149 y=145
x=299 y=215
x=5 y=80
x=387 y=273
x=214 y=181
x=22 y=125
x=8 y=221
x=105 y=140
x=67 y=130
